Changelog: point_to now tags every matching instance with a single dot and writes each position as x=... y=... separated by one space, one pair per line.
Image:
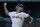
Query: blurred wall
x=21 y=0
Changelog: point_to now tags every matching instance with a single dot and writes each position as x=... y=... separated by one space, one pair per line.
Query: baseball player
x=18 y=16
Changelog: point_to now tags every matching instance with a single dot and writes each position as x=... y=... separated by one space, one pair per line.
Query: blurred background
x=31 y=7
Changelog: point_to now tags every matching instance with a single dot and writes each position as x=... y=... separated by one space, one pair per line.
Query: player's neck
x=17 y=11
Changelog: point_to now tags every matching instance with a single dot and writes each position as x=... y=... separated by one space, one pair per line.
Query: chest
x=17 y=15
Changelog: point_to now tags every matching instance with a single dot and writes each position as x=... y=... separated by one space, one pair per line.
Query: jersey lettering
x=17 y=17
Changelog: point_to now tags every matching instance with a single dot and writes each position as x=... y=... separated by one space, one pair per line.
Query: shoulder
x=25 y=13
x=12 y=12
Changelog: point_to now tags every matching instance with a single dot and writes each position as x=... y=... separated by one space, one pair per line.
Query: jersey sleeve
x=26 y=15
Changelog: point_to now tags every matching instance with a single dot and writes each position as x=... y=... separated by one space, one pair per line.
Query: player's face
x=20 y=8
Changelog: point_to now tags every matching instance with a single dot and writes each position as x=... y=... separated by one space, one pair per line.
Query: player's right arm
x=5 y=8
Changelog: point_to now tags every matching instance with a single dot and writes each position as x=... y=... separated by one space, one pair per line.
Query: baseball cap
x=19 y=4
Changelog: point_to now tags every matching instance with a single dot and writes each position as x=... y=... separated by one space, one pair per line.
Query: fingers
x=5 y=3
x=30 y=22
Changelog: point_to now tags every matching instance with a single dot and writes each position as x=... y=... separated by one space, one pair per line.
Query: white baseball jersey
x=17 y=18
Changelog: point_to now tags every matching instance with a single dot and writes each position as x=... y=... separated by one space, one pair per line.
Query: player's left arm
x=31 y=20
x=27 y=16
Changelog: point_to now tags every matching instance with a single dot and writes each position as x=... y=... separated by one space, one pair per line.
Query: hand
x=30 y=22
x=5 y=4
